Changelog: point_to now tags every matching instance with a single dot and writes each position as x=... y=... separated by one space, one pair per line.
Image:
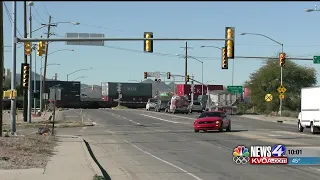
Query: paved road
x=136 y=144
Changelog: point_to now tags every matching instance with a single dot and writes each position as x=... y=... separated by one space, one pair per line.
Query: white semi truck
x=309 y=117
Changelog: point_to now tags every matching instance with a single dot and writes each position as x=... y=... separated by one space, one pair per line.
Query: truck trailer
x=309 y=117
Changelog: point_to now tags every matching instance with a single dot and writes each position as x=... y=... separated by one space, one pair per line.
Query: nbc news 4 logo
x=260 y=155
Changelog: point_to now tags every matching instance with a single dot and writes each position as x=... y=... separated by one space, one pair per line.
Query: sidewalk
x=286 y=120
x=71 y=161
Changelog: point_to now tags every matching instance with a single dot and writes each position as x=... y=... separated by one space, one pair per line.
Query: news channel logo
x=241 y=155
x=278 y=150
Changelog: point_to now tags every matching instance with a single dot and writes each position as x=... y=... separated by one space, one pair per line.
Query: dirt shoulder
x=22 y=152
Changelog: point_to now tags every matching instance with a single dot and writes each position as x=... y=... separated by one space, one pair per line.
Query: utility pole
x=1 y=64
x=13 y=110
x=54 y=102
x=30 y=72
x=186 y=60
x=25 y=91
x=45 y=63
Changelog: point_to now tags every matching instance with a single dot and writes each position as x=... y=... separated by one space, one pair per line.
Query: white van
x=309 y=117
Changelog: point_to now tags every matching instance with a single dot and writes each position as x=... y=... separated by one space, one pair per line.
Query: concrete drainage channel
x=103 y=171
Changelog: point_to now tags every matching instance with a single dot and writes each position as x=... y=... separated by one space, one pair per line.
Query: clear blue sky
x=285 y=22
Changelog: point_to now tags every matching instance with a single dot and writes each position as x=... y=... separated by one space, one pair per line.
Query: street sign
x=281 y=96
x=85 y=35
x=235 y=89
x=316 y=59
x=153 y=74
x=281 y=89
x=268 y=97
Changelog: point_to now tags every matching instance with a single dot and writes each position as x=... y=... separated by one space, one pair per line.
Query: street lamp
x=78 y=71
x=201 y=67
x=81 y=77
x=52 y=64
x=311 y=10
x=281 y=44
x=41 y=78
x=216 y=47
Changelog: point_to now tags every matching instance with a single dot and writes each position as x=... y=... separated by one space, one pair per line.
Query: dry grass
x=58 y=124
x=23 y=152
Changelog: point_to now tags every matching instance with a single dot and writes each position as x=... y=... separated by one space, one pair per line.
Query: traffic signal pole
x=25 y=91
x=281 y=70
x=13 y=110
x=1 y=64
x=30 y=71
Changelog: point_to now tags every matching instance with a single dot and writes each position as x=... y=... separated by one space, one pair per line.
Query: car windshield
x=152 y=100
x=196 y=103
x=210 y=114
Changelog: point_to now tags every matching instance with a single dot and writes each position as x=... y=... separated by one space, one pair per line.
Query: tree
x=266 y=80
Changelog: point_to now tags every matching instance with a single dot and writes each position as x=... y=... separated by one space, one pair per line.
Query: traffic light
x=145 y=75
x=41 y=48
x=187 y=78
x=230 y=43
x=27 y=48
x=224 y=63
x=25 y=78
x=148 y=44
x=168 y=75
x=282 y=59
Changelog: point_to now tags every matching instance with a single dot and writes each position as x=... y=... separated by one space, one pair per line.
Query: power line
x=35 y=9
x=46 y=10
x=10 y=18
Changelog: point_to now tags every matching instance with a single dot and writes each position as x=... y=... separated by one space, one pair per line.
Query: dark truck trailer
x=134 y=95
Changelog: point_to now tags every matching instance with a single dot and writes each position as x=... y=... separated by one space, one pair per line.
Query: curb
x=92 y=163
x=102 y=171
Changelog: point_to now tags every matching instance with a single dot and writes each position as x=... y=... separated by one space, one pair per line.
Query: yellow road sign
x=281 y=89
x=281 y=96
x=268 y=97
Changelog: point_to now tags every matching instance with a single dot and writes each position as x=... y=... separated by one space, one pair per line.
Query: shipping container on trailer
x=183 y=89
x=127 y=89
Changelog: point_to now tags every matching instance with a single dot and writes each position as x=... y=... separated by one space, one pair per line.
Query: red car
x=212 y=120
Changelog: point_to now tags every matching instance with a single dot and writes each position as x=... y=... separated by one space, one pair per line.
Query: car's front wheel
x=300 y=128
x=229 y=127
x=196 y=130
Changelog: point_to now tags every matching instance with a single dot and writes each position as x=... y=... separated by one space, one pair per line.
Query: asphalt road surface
x=138 y=144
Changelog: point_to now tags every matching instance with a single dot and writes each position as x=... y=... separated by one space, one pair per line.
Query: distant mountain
x=18 y=76
x=160 y=86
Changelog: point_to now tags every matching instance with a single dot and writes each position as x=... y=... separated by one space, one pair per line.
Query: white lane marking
x=175 y=122
x=177 y=167
x=71 y=116
x=132 y=121
x=292 y=133
x=314 y=168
